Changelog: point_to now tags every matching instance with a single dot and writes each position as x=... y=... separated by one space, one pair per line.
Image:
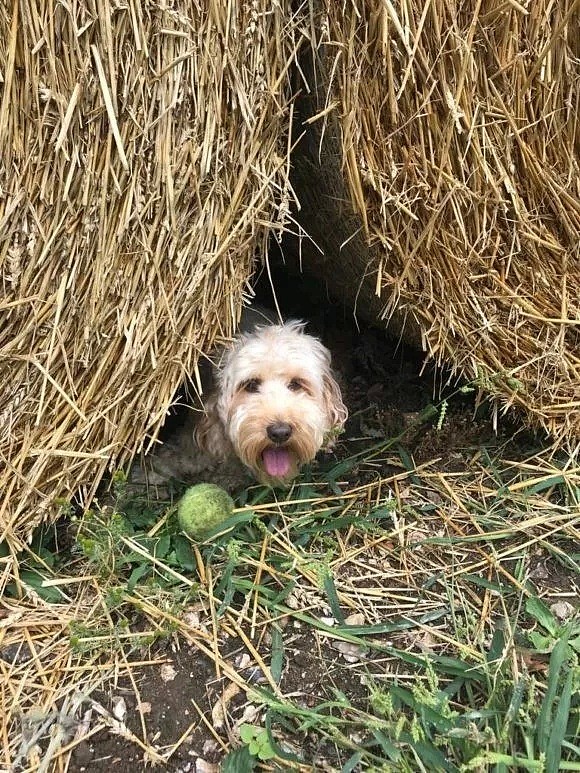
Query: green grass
x=457 y=660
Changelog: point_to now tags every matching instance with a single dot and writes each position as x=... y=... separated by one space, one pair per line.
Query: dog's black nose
x=279 y=432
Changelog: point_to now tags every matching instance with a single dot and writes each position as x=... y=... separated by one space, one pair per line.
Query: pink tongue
x=276 y=462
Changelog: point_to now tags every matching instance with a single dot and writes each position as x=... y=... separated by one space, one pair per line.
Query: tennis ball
x=202 y=508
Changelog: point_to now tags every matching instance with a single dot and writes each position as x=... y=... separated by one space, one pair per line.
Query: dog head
x=276 y=402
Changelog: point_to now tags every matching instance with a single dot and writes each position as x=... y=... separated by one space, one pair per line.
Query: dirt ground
x=385 y=386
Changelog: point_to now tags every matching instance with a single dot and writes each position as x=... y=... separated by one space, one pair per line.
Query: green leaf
x=408 y=464
x=35 y=580
x=278 y=598
x=277 y=658
x=575 y=644
x=162 y=546
x=427 y=713
x=264 y=748
x=382 y=513
x=265 y=753
x=351 y=763
x=47 y=556
x=238 y=761
x=389 y=749
x=559 y=655
x=574 y=748
x=138 y=572
x=541 y=642
x=342 y=468
x=481 y=582
x=514 y=706
x=184 y=553
x=552 y=480
x=226 y=587
x=397 y=625
x=248 y=733
x=229 y=524
x=432 y=758
x=497 y=646
x=540 y=612
x=332 y=597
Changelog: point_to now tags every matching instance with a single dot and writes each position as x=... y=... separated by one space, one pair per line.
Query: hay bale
x=143 y=166
x=443 y=138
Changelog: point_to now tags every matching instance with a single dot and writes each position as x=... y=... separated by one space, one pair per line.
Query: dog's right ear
x=209 y=434
x=336 y=410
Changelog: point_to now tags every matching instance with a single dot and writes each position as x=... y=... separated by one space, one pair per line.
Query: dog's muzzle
x=277 y=458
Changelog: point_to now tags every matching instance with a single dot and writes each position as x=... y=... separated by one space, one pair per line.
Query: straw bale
x=443 y=138
x=143 y=163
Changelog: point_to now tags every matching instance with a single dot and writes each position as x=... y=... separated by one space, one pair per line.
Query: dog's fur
x=275 y=376
x=274 y=403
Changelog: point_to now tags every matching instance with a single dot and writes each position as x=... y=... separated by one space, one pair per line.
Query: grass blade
x=559 y=725
x=560 y=653
x=332 y=597
x=277 y=659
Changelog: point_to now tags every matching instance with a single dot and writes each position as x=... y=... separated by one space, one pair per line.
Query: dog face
x=276 y=402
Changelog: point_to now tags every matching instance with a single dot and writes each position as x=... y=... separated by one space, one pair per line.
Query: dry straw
x=143 y=165
x=143 y=162
x=448 y=567
x=444 y=139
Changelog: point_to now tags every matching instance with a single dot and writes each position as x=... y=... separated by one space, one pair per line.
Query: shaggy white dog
x=276 y=402
x=272 y=405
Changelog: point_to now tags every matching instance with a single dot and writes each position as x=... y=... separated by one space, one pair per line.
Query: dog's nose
x=279 y=432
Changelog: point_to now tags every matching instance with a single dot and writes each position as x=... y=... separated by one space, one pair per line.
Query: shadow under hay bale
x=143 y=167
x=439 y=183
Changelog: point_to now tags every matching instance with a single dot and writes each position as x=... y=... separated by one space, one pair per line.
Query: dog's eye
x=295 y=385
x=252 y=385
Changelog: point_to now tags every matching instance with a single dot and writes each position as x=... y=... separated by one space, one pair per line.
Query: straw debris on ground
x=413 y=594
x=310 y=616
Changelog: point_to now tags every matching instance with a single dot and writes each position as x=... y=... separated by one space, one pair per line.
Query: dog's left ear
x=210 y=434
x=336 y=410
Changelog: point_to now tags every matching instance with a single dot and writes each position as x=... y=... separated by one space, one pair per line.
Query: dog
x=273 y=403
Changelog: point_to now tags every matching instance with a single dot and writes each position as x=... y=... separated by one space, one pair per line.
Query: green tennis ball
x=202 y=508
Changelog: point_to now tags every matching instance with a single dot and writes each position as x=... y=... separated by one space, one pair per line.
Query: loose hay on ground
x=81 y=375
x=419 y=562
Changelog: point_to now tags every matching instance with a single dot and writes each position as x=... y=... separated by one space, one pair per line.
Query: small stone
x=119 y=709
x=168 y=672
x=563 y=610
x=352 y=653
